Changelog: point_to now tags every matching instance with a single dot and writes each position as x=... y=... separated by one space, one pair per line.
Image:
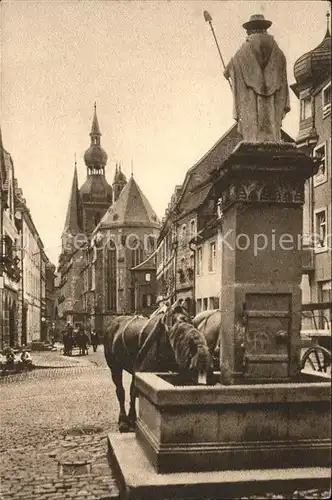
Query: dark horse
x=168 y=341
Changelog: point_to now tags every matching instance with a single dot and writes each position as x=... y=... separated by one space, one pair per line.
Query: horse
x=208 y=322
x=166 y=342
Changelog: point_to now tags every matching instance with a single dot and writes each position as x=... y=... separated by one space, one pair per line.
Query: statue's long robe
x=261 y=95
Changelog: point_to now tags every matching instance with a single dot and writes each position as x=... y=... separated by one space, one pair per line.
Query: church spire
x=95 y=157
x=72 y=222
x=95 y=130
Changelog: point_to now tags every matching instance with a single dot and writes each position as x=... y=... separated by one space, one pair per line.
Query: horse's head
x=191 y=352
x=176 y=313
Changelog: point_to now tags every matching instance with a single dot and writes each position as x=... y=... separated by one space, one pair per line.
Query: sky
x=154 y=71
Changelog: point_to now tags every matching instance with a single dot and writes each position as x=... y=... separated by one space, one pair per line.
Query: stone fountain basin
x=248 y=425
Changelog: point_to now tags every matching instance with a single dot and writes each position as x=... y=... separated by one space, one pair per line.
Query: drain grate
x=74 y=469
x=74 y=463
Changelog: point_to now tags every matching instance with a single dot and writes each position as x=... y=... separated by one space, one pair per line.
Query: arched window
x=111 y=277
x=136 y=247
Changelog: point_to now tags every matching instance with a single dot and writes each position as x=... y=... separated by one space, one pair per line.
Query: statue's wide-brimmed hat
x=257 y=21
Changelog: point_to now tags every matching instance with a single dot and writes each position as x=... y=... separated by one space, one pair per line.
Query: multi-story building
x=86 y=207
x=167 y=251
x=9 y=255
x=22 y=264
x=312 y=73
x=125 y=238
x=49 y=314
x=33 y=276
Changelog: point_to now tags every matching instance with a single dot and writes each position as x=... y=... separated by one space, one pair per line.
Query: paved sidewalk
x=54 y=424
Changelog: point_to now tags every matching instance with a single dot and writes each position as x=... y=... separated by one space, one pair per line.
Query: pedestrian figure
x=82 y=341
x=26 y=359
x=94 y=340
x=10 y=358
x=67 y=343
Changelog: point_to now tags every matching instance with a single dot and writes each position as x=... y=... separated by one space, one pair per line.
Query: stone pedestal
x=262 y=191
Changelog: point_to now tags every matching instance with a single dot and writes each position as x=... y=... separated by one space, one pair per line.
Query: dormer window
x=305 y=108
x=326 y=100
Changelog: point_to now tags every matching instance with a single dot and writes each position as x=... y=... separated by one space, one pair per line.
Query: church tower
x=119 y=182
x=73 y=222
x=96 y=193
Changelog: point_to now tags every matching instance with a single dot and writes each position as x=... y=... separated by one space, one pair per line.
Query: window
x=305 y=108
x=321 y=176
x=199 y=258
x=212 y=256
x=192 y=261
x=137 y=255
x=199 y=305
x=325 y=295
x=326 y=100
x=192 y=229
x=321 y=230
x=8 y=247
x=93 y=278
x=152 y=244
x=183 y=235
x=205 y=304
x=148 y=277
x=147 y=300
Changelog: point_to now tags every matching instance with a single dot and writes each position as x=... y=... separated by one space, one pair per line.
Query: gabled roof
x=198 y=180
x=131 y=209
x=200 y=173
x=72 y=224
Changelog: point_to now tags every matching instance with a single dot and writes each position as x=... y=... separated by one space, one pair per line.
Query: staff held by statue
x=208 y=19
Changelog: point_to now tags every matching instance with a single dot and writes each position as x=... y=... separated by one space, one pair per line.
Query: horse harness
x=140 y=335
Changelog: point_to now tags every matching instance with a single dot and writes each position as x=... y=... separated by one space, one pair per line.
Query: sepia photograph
x=165 y=249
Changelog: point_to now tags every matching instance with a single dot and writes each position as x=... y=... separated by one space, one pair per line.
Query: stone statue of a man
x=259 y=83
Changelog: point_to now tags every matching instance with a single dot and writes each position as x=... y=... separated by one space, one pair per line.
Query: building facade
x=22 y=264
x=125 y=238
x=32 y=310
x=86 y=207
x=312 y=73
x=108 y=231
x=10 y=256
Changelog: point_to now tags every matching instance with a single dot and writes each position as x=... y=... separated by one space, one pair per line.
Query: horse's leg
x=132 y=410
x=120 y=394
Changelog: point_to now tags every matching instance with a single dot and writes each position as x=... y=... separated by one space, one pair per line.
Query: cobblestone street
x=60 y=414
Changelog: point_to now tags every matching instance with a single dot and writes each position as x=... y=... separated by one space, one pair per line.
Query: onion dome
x=315 y=65
x=95 y=157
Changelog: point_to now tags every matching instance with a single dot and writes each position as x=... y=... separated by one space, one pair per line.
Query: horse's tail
x=108 y=340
